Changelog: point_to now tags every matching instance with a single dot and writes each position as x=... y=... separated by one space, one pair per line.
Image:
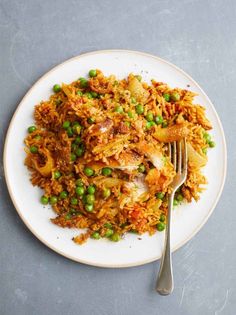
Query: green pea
x=106 y=192
x=90 y=199
x=139 y=109
x=56 y=88
x=31 y=129
x=53 y=200
x=139 y=77
x=66 y=124
x=204 y=150
x=109 y=233
x=175 y=202
x=37 y=137
x=175 y=96
x=162 y=218
x=150 y=124
x=79 y=152
x=108 y=225
x=115 y=237
x=160 y=195
x=44 y=200
x=68 y=216
x=94 y=94
x=73 y=157
x=80 y=191
x=133 y=100
x=33 y=149
x=159 y=120
x=91 y=190
x=56 y=175
x=69 y=132
x=89 y=208
x=74 y=146
x=166 y=97
x=92 y=73
x=164 y=124
x=83 y=82
x=78 y=140
x=161 y=226
x=89 y=95
x=91 y=120
x=212 y=144
x=130 y=114
x=76 y=128
x=119 y=109
x=96 y=235
x=79 y=182
x=149 y=116
x=127 y=123
x=73 y=211
x=180 y=197
x=80 y=93
x=141 y=168
x=74 y=201
x=88 y=171
x=207 y=137
x=63 y=194
x=106 y=171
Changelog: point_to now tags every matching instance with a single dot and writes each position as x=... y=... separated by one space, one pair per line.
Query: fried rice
x=99 y=150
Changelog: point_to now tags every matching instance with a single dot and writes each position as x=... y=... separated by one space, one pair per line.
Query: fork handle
x=165 y=281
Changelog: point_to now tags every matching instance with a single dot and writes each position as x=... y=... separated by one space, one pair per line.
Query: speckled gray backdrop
x=198 y=36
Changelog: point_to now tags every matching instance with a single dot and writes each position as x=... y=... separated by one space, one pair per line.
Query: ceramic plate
x=132 y=250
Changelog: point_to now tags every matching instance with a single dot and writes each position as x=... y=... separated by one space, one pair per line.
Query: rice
x=103 y=123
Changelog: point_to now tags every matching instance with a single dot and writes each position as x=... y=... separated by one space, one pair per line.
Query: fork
x=178 y=156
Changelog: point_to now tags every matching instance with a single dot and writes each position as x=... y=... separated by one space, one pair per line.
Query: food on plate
x=99 y=151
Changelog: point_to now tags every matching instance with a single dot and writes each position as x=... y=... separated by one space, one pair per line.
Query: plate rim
x=124 y=265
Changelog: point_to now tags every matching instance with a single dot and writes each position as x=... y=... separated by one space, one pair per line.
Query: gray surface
x=198 y=36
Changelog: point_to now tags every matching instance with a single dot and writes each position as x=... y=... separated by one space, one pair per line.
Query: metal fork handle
x=165 y=281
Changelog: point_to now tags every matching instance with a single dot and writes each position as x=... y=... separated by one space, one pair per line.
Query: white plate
x=132 y=251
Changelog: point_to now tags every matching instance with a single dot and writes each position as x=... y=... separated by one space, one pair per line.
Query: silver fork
x=178 y=155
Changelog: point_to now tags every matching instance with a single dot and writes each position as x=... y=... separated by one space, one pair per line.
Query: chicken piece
x=101 y=127
x=137 y=189
x=173 y=133
x=153 y=153
x=137 y=90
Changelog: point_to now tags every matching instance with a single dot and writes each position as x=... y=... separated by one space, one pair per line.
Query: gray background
x=198 y=36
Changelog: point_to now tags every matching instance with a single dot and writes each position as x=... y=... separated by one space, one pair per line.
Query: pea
x=141 y=168
x=56 y=175
x=130 y=114
x=96 y=235
x=119 y=109
x=164 y=124
x=139 y=109
x=212 y=144
x=53 y=200
x=150 y=124
x=91 y=190
x=139 y=77
x=115 y=237
x=37 y=137
x=162 y=218
x=149 y=116
x=94 y=94
x=31 y=129
x=175 y=202
x=106 y=171
x=133 y=100
x=180 y=197
x=88 y=171
x=79 y=152
x=79 y=182
x=106 y=193
x=56 y=88
x=92 y=73
x=73 y=211
x=80 y=191
x=68 y=216
x=63 y=194
x=207 y=137
x=44 y=200
x=33 y=149
x=159 y=120
x=204 y=150
x=160 y=195
x=175 y=96
x=90 y=199
x=166 y=97
x=69 y=132
x=161 y=226
x=78 y=140
x=109 y=233
x=74 y=201
x=76 y=128
x=91 y=120
x=108 y=225
x=66 y=124
x=127 y=123
x=72 y=157
x=74 y=146
x=83 y=82
x=89 y=95
x=80 y=93
x=89 y=208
